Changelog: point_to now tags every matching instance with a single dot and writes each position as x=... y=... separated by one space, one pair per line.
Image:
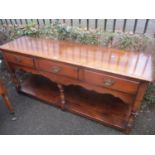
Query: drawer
x=57 y=68
x=20 y=59
x=112 y=82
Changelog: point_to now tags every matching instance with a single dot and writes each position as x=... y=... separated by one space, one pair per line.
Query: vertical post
x=146 y=25
x=50 y=21
x=124 y=25
x=1 y=21
x=71 y=22
x=105 y=24
x=79 y=22
x=44 y=21
x=96 y=23
x=64 y=21
x=6 y=21
x=38 y=22
x=135 y=25
x=61 y=89
x=11 y=22
x=87 y=24
x=16 y=21
x=136 y=104
x=26 y=21
x=21 y=22
x=114 y=25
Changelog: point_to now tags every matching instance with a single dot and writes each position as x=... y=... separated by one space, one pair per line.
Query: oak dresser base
x=103 y=84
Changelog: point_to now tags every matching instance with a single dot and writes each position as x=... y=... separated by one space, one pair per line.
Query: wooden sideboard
x=103 y=84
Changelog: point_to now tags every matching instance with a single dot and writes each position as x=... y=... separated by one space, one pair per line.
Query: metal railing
x=143 y=26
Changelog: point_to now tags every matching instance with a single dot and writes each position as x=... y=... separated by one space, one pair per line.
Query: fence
x=143 y=26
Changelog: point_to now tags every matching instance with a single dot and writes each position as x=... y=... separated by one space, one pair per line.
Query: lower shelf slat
x=42 y=89
x=103 y=108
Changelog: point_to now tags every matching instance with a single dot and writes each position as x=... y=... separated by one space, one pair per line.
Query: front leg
x=8 y=103
x=62 y=96
x=3 y=93
x=13 y=76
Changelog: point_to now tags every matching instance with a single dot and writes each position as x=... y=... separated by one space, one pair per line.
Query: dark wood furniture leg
x=136 y=105
x=8 y=103
x=62 y=95
x=3 y=93
x=13 y=76
x=15 y=79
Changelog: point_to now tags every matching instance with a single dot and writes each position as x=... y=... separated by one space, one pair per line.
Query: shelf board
x=103 y=108
x=42 y=89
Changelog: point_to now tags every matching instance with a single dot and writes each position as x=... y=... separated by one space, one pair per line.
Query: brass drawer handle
x=56 y=69
x=108 y=83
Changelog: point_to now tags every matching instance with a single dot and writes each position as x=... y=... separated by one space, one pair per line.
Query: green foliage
x=87 y=38
x=126 y=42
x=150 y=94
x=30 y=29
x=140 y=43
x=13 y=32
x=46 y=31
x=106 y=38
x=64 y=32
x=133 y=42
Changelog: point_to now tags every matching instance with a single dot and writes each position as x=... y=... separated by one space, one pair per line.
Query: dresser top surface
x=136 y=65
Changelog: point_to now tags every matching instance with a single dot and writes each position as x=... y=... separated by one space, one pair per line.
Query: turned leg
x=62 y=96
x=13 y=76
x=15 y=79
x=3 y=93
x=136 y=105
x=8 y=103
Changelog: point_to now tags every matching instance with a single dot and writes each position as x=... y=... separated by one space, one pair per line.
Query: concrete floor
x=36 y=118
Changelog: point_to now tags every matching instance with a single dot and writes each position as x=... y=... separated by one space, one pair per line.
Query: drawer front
x=57 y=68
x=19 y=59
x=112 y=82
